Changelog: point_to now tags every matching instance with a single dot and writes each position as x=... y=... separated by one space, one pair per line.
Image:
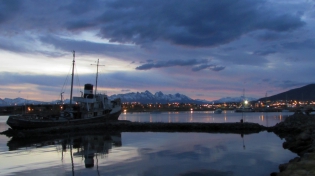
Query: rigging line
x=65 y=83
x=77 y=77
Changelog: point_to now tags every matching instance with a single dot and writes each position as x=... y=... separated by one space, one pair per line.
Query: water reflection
x=88 y=147
x=263 y=118
x=146 y=154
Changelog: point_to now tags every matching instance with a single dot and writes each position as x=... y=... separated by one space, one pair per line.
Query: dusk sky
x=205 y=49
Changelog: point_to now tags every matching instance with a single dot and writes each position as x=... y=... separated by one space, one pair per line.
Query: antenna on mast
x=97 y=65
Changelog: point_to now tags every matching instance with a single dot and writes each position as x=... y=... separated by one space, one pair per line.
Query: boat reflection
x=89 y=146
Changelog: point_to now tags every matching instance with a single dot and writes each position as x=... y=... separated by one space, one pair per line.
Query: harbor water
x=151 y=153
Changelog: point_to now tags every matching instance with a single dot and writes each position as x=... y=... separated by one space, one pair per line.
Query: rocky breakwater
x=298 y=131
x=125 y=126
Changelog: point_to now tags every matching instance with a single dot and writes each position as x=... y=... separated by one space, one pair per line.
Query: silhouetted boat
x=90 y=108
x=244 y=109
x=217 y=111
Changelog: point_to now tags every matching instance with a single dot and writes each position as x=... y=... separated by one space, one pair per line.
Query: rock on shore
x=299 y=133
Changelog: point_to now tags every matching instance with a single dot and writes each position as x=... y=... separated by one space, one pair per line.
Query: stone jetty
x=126 y=126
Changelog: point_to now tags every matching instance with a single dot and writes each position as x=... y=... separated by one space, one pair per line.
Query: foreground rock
x=299 y=133
x=126 y=126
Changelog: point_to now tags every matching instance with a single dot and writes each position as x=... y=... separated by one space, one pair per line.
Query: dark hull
x=114 y=116
x=16 y=122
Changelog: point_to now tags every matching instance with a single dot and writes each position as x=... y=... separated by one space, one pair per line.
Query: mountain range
x=141 y=97
x=305 y=93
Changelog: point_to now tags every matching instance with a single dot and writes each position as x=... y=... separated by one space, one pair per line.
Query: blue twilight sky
x=203 y=49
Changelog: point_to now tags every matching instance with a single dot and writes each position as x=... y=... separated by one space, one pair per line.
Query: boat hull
x=115 y=115
x=244 y=110
x=19 y=122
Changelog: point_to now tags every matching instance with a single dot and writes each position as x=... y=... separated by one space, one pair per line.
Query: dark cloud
x=79 y=24
x=306 y=44
x=205 y=66
x=190 y=23
x=201 y=67
x=11 y=46
x=81 y=7
x=264 y=52
x=84 y=46
x=181 y=22
x=271 y=36
x=8 y=9
x=125 y=90
x=171 y=63
x=216 y=68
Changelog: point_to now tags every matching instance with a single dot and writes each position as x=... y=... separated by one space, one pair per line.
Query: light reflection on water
x=146 y=153
x=263 y=118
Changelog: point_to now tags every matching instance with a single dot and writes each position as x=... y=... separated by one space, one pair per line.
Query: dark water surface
x=263 y=118
x=148 y=153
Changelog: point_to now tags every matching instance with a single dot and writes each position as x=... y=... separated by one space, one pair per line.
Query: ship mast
x=97 y=65
x=72 y=78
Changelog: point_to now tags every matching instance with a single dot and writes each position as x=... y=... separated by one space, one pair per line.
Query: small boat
x=88 y=108
x=217 y=111
x=244 y=109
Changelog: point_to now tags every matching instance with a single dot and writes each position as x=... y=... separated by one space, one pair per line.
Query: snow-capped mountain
x=158 y=97
x=19 y=101
x=141 y=97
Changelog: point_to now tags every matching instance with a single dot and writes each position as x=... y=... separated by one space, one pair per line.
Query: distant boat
x=91 y=108
x=243 y=109
x=217 y=111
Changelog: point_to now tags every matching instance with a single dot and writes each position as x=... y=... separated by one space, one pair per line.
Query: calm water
x=263 y=118
x=151 y=153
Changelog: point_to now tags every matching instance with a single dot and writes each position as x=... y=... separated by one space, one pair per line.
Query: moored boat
x=217 y=111
x=88 y=108
x=243 y=109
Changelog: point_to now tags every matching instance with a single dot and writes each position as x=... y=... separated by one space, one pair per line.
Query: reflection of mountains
x=87 y=146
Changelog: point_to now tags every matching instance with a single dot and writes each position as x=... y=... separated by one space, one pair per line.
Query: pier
x=126 y=126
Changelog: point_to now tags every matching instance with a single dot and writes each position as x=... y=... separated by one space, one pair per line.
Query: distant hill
x=19 y=101
x=305 y=93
